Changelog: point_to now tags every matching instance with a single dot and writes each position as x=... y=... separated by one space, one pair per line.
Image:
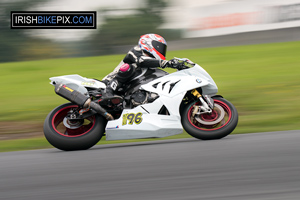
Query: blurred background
x=121 y=22
x=259 y=80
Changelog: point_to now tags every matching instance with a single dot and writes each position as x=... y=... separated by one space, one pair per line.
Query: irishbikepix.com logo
x=53 y=20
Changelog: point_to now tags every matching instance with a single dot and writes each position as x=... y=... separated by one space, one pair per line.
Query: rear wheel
x=218 y=124
x=70 y=135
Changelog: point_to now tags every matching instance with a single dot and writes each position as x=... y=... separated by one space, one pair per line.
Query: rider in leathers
x=150 y=53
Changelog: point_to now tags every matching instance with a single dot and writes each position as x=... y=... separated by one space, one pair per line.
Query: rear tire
x=83 y=135
x=220 y=123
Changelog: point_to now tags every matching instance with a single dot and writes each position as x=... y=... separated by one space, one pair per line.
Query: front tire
x=220 y=123
x=79 y=135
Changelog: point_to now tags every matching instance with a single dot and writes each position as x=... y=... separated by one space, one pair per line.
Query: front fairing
x=197 y=71
x=182 y=81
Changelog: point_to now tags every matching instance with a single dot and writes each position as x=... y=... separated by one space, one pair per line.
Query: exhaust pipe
x=80 y=99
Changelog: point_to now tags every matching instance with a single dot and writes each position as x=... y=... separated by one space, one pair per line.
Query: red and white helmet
x=154 y=44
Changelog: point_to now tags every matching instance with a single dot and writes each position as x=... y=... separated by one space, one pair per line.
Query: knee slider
x=125 y=72
x=125 y=67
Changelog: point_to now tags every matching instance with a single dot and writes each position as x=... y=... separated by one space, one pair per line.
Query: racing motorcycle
x=155 y=104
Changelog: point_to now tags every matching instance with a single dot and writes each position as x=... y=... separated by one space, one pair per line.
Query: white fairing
x=151 y=126
x=145 y=122
x=154 y=125
x=77 y=82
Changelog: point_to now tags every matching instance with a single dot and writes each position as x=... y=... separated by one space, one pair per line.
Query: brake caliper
x=204 y=108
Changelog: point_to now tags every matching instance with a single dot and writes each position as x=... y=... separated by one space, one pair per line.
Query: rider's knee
x=125 y=72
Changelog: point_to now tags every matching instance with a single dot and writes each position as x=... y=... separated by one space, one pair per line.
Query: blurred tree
x=16 y=44
x=125 y=30
x=8 y=38
x=34 y=49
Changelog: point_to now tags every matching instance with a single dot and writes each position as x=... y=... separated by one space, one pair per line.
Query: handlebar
x=183 y=63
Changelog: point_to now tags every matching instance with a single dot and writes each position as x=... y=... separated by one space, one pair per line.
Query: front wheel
x=72 y=135
x=218 y=124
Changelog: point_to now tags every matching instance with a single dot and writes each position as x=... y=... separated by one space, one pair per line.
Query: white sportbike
x=155 y=104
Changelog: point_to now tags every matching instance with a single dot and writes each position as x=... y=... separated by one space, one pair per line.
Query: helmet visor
x=160 y=47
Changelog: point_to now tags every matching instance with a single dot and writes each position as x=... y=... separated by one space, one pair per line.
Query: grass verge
x=262 y=81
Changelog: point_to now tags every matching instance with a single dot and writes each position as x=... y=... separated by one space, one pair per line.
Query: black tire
x=88 y=133
x=217 y=125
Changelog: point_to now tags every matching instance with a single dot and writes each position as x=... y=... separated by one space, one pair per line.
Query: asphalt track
x=259 y=166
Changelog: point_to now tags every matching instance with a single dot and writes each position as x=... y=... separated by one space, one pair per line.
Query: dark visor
x=160 y=47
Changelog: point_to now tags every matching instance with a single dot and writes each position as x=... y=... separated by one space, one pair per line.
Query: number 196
x=132 y=117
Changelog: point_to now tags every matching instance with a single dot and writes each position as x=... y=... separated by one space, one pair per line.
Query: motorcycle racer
x=149 y=53
x=156 y=104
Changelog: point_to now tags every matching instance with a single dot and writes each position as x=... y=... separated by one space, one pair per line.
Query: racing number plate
x=131 y=118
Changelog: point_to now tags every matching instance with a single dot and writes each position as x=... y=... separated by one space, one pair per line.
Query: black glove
x=173 y=63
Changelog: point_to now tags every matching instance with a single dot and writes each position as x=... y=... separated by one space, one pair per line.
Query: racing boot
x=109 y=94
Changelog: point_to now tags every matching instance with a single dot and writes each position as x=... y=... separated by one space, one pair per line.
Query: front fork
x=207 y=103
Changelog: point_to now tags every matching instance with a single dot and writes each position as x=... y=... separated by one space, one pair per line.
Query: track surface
x=260 y=166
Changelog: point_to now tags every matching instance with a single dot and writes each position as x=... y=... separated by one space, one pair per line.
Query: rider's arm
x=136 y=55
x=148 y=62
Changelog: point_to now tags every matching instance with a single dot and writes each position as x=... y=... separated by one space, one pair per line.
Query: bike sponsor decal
x=88 y=83
x=129 y=118
x=115 y=127
x=68 y=88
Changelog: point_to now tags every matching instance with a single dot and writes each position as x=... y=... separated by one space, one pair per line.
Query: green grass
x=262 y=81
